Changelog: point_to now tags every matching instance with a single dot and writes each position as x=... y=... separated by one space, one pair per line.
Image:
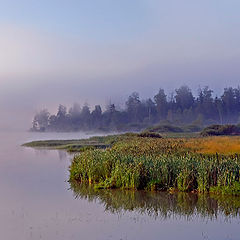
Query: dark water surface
x=36 y=202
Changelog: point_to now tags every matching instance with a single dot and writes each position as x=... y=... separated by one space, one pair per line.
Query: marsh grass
x=158 y=164
x=211 y=145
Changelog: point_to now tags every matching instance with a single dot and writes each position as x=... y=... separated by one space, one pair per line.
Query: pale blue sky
x=59 y=51
x=88 y=19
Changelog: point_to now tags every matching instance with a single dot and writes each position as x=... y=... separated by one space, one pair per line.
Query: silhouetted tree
x=151 y=110
x=228 y=102
x=184 y=98
x=62 y=111
x=41 y=120
x=97 y=117
x=205 y=103
x=86 y=117
x=133 y=107
x=75 y=110
x=161 y=104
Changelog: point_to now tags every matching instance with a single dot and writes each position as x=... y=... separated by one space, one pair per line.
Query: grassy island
x=151 y=162
x=209 y=164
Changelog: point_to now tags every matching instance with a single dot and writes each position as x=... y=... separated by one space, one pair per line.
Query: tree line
x=180 y=108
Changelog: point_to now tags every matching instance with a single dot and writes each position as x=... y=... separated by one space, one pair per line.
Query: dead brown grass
x=211 y=145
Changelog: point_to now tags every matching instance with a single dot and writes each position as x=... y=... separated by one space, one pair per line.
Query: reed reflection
x=160 y=204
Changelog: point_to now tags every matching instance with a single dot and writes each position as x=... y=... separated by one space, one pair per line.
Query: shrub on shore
x=149 y=135
x=217 y=130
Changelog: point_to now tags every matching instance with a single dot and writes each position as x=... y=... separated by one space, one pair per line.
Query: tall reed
x=157 y=164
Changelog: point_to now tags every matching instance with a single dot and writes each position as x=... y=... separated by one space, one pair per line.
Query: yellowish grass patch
x=212 y=145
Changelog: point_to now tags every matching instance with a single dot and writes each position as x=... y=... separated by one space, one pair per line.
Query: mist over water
x=92 y=52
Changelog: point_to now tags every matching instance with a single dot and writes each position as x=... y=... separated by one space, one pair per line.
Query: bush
x=149 y=135
x=217 y=130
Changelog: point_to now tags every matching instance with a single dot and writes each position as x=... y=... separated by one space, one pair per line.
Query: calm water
x=36 y=202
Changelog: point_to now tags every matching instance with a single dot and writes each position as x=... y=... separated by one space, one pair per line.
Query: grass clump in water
x=157 y=164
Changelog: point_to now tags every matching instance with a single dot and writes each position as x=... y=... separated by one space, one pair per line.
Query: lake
x=37 y=202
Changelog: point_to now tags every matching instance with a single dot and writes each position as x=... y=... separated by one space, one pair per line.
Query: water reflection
x=160 y=204
x=40 y=152
x=62 y=155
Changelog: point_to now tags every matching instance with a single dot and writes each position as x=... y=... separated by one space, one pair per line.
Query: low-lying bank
x=160 y=164
x=76 y=145
x=97 y=142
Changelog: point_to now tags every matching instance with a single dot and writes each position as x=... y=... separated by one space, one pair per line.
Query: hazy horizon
x=79 y=51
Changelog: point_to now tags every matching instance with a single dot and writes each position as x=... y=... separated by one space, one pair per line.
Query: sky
x=58 y=51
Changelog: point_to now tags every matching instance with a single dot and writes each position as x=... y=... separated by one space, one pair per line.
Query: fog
x=81 y=51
